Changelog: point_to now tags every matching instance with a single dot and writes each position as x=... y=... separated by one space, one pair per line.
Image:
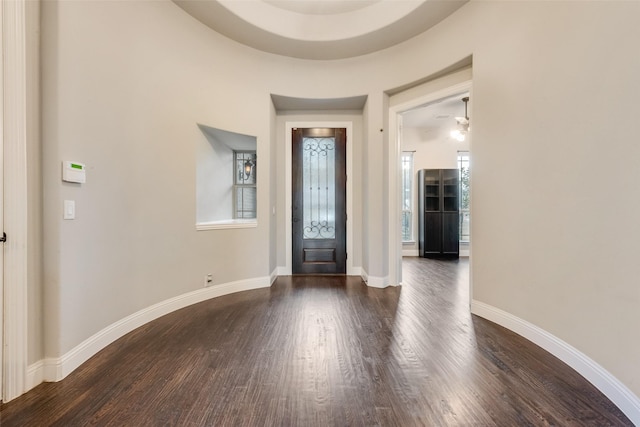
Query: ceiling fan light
x=462 y=124
x=457 y=135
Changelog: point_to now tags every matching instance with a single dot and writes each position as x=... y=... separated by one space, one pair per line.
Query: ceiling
x=332 y=29
x=436 y=119
x=320 y=29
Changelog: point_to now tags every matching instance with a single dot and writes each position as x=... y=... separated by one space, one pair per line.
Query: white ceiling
x=320 y=29
x=436 y=119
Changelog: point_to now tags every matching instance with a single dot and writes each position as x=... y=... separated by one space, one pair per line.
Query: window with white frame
x=463 y=166
x=407 y=196
x=244 y=184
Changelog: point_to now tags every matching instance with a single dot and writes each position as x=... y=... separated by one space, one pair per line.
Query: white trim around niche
x=351 y=271
x=227 y=224
x=56 y=369
x=609 y=385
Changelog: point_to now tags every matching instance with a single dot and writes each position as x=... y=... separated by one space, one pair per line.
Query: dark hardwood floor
x=323 y=351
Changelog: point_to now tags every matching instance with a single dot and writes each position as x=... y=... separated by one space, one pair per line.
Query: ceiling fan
x=462 y=124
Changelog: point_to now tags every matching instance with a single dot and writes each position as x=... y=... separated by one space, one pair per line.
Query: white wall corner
x=52 y=369
x=377 y=282
x=273 y=276
x=604 y=381
x=35 y=374
x=364 y=275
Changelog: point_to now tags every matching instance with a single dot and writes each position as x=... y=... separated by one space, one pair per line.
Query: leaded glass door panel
x=319 y=201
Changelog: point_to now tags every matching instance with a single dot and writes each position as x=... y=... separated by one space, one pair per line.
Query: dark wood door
x=319 y=219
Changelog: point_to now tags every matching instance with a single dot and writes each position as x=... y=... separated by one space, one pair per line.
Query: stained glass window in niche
x=244 y=188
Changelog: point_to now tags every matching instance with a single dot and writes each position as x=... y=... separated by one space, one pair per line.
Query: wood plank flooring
x=323 y=351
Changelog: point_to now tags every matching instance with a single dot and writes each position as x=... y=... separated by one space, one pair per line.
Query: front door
x=319 y=207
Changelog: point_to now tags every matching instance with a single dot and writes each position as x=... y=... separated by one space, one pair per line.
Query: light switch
x=69 y=209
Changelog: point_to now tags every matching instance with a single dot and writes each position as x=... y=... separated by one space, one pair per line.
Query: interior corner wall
x=365 y=190
x=275 y=191
x=35 y=349
x=214 y=180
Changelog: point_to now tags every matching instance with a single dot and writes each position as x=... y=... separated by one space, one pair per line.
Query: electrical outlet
x=208 y=280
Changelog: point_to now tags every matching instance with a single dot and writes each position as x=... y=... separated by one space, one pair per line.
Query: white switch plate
x=69 y=209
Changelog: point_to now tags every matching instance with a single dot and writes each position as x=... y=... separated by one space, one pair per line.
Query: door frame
x=2 y=36
x=18 y=17
x=348 y=125
x=431 y=92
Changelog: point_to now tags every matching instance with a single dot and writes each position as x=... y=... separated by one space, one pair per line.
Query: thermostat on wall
x=73 y=172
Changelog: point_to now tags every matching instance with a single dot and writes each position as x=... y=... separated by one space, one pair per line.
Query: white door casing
x=394 y=155
x=14 y=201
x=1 y=205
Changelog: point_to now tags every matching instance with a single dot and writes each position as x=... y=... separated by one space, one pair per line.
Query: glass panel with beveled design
x=319 y=184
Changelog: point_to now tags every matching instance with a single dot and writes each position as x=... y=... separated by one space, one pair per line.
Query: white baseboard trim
x=355 y=271
x=410 y=252
x=414 y=252
x=273 y=276
x=373 y=281
x=609 y=385
x=377 y=282
x=56 y=369
x=35 y=374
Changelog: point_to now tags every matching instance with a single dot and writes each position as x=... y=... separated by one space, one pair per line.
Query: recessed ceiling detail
x=320 y=29
x=287 y=103
x=321 y=7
